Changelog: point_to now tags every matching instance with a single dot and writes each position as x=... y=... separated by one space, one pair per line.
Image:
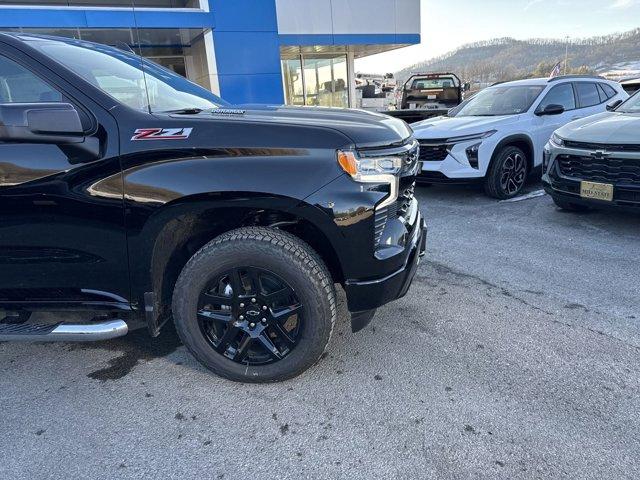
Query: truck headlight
x=373 y=170
x=362 y=168
x=557 y=140
x=385 y=166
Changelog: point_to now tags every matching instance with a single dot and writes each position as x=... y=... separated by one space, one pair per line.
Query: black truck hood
x=365 y=129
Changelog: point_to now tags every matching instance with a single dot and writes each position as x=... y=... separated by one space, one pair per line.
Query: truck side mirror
x=551 y=109
x=466 y=87
x=52 y=123
x=613 y=105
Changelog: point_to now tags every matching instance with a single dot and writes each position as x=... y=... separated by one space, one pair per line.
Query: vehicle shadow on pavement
x=138 y=346
x=133 y=348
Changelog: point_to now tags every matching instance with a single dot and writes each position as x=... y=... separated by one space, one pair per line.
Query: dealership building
x=298 y=52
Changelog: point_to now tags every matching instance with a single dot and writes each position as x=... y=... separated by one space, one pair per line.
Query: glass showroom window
x=171 y=48
x=317 y=80
x=293 y=84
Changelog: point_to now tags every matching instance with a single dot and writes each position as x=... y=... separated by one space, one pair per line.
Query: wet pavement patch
x=134 y=347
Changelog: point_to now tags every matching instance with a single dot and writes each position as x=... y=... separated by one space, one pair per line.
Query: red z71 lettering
x=161 y=134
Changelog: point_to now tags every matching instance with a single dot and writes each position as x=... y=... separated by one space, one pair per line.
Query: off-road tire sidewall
x=287 y=257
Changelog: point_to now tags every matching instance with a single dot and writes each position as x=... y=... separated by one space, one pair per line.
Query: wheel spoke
x=215 y=299
x=254 y=278
x=273 y=297
x=243 y=348
x=282 y=334
x=236 y=283
x=230 y=334
x=284 y=314
x=268 y=344
x=213 y=315
x=504 y=180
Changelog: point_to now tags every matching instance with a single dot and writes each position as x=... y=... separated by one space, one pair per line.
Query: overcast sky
x=447 y=24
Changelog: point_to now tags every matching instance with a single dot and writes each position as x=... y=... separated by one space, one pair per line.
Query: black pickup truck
x=138 y=197
x=428 y=95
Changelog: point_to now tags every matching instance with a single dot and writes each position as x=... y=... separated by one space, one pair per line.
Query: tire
x=569 y=206
x=510 y=163
x=276 y=256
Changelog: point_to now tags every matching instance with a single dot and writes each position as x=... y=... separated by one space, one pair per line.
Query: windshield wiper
x=185 y=111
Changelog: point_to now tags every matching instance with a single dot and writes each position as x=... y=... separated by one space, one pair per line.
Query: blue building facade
x=248 y=51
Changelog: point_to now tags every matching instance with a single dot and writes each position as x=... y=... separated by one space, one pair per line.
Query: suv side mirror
x=466 y=87
x=551 y=109
x=613 y=105
x=52 y=123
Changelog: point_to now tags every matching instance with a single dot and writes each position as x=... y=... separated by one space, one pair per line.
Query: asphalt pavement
x=515 y=355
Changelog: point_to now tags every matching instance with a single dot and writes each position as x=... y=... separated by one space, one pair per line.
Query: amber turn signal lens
x=347 y=161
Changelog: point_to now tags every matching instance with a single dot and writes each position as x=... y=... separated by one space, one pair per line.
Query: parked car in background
x=595 y=162
x=134 y=197
x=497 y=137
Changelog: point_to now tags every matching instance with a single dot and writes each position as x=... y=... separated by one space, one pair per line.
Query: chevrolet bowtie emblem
x=600 y=154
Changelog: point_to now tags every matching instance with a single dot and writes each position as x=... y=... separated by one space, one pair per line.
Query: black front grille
x=433 y=153
x=398 y=209
x=405 y=197
x=608 y=147
x=609 y=170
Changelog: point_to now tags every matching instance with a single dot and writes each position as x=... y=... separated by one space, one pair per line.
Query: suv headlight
x=557 y=140
x=467 y=138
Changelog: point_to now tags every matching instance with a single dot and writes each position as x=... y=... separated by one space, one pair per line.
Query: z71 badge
x=161 y=134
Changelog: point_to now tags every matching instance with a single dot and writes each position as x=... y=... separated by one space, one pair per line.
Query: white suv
x=498 y=136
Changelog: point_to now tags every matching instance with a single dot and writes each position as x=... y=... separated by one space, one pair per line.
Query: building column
x=202 y=62
x=247 y=51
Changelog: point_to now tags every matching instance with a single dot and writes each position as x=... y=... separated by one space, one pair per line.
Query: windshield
x=120 y=74
x=632 y=105
x=428 y=83
x=501 y=100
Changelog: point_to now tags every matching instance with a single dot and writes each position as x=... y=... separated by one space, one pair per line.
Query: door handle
x=576 y=118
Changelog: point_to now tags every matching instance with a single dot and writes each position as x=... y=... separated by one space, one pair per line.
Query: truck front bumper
x=364 y=296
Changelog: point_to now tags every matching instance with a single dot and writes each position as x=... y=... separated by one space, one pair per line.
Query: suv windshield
x=501 y=100
x=632 y=105
x=121 y=75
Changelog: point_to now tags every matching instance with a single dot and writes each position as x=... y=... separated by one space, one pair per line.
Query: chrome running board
x=63 y=332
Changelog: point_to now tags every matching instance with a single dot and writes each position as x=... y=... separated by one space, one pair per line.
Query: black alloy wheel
x=255 y=304
x=250 y=315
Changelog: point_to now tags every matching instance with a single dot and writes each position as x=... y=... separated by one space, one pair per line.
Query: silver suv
x=595 y=161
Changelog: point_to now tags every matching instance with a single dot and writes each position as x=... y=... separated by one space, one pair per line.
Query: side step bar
x=63 y=332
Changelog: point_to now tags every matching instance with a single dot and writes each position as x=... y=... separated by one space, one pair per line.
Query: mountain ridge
x=506 y=58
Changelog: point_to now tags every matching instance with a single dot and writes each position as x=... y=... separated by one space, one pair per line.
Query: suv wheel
x=255 y=305
x=507 y=173
x=569 y=206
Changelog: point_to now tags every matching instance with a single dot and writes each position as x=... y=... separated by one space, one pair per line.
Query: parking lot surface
x=516 y=354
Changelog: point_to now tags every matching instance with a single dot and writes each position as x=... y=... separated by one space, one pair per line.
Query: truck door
x=62 y=236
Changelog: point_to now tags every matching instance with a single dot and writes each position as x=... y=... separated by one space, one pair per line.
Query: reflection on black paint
x=27 y=255
x=22 y=163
